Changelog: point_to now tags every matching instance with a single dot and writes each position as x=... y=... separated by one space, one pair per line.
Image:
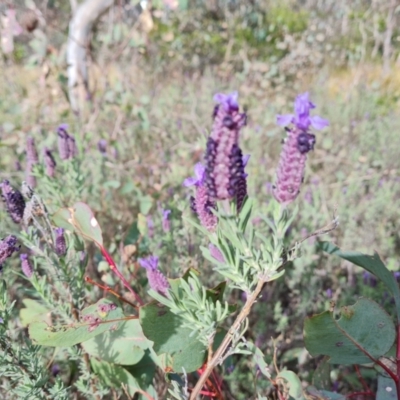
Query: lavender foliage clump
x=15 y=203
x=299 y=142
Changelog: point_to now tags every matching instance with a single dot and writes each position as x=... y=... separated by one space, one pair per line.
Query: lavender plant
x=189 y=327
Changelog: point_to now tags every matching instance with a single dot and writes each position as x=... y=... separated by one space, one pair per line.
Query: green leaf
x=115 y=376
x=33 y=311
x=79 y=218
x=322 y=375
x=386 y=388
x=125 y=345
x=372 y=264
x=68 y=335
x=295 y=388
x=165 y=330
x=363 y=333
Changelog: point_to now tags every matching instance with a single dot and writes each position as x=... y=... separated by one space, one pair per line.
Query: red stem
x=398 y=361
x=114 y=268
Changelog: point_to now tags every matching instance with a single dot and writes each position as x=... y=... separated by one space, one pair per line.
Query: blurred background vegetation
x=154 y=68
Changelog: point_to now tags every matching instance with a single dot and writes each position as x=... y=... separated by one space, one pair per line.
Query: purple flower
x=369 y=279
x=66 y=143
x=166 y=223
x=201 y=203
x=224 y=159
x=49 y=162
x=32 y=159
x=60 y=245
x=157 y=281
x=299 y=142
x=102 y=146
x=199 y=178
x=8 y=246
x=15 y=203
x=301 y=119
x=26 y=265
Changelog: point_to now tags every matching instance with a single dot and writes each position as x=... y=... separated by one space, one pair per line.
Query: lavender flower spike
x=224 y=164
x=66 y=143
x=49 y=162
x=157 y=281
x=60 y=247
x=201 y=204
x=299 y=142
x=26 y=265
x=32 y=159
x=8 y=246
x=15 y=203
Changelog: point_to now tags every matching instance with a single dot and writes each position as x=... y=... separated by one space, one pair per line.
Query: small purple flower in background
x=329 y=293
x=15 y=203
x=8 y=246
x=201 y=203
x=55 y=369
x=61 y=247
x=216 y=253
x=26 y=265
x=49 y=162
x=396 y=275
x=299 y=142
x=369 y=279
x=1 y=321
x=32 y=159
x=102 y=146
x=166 y=223
x=157 y=281
x=66 y=143
x=224 y=158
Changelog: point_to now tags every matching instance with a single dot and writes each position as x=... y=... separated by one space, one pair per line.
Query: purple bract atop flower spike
x=201 y=204
x=15 y=203
x=8 y=246
x=299 y=142
x=302 y=119
x=157 y=281
x=224 y=164
x=198 y=179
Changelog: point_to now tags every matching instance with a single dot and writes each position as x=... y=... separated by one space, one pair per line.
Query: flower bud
x=26 y=265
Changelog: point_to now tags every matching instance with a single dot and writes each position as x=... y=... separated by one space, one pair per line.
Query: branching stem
x=227 y=340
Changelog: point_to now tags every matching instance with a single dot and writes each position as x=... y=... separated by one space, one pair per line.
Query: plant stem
x=216 y=359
